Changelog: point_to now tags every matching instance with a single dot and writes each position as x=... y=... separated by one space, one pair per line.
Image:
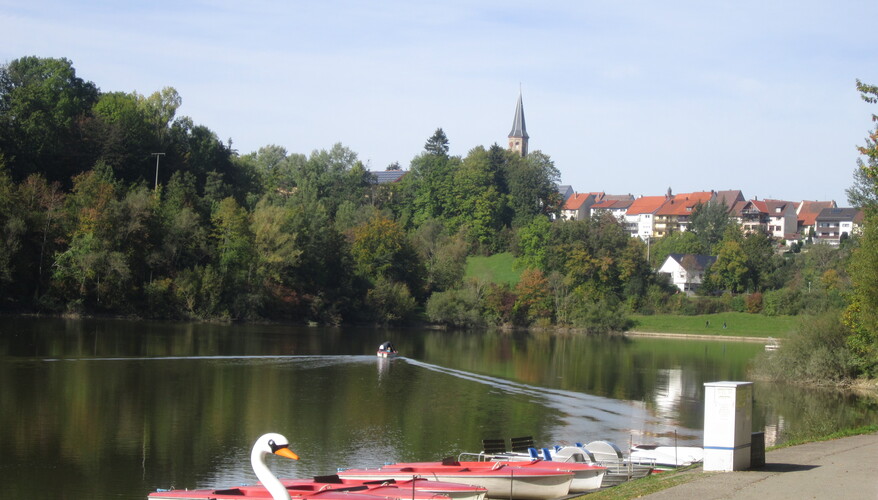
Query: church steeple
x=518 y=137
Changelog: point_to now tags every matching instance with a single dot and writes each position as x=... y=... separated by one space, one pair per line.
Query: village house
x=674 y=215
x=752 y=216
x=686 y=271
x=640 y=217
x=806 y=216
x=657 y=216
x=782 y=221
x=618 y=208
x=577 y=206
x=834 y=224
x=729 y=198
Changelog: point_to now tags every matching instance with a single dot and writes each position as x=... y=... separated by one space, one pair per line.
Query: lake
x=109 y=409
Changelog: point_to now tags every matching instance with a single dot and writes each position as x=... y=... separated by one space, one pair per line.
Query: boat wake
x=584 y=417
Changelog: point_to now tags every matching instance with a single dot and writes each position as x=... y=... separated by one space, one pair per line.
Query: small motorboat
x=616 y=468
x=619 y=468
x=500 y=480
x=386 y=350
x=668 y=457
x=773 y=344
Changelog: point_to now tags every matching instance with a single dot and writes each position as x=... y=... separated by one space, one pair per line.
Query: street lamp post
x=157 y=157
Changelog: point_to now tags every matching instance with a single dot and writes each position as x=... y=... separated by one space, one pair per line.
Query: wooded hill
x=94 y=222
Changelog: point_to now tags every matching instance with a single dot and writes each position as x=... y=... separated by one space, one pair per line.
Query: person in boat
x=387 y=347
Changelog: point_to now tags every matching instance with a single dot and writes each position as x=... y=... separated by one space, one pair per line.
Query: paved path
x=700 y=336
x=845 y=468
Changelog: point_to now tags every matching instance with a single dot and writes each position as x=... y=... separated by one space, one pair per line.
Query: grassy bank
x=651 y=484
x=497 y=268
x=868 y=429
x=736 y=324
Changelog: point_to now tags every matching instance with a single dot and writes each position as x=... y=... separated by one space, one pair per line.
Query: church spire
x=518 y=137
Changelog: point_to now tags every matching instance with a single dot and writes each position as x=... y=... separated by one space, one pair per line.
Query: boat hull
x=668 y=457
x=619 y=469
x=586 y=477
x=404 y=489
x=256 y=492
x=504 y=482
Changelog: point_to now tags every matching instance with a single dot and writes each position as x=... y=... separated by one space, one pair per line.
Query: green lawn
x=737 y=324
x=500 y=268
x=496 y=268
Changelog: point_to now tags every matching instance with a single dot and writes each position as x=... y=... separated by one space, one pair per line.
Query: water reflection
x=383 y=367
x=115 y=409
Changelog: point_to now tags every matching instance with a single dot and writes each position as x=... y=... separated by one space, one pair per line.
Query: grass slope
x=497 y=268
x=737 y=324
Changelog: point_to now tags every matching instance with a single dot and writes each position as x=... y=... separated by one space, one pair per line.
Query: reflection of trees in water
x=148 y=423
x=792 y=412
x=189 y=421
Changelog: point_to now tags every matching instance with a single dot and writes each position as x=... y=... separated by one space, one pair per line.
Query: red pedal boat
x=500 y=480
x=389 y=487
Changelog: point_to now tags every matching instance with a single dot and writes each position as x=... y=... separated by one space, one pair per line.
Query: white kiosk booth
x=728 y=420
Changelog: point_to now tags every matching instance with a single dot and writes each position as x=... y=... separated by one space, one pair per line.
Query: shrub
x=390 y=301
x=160 y=299
x=786 y=301
x=458 y=308
x=601 y=316
x=499 y=304
x=533 y=300
x=816 y=352
x=753 y=302
x=732 y=302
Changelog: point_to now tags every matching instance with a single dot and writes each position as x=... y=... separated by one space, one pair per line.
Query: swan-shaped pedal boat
x=324 y=488
x=267 y=444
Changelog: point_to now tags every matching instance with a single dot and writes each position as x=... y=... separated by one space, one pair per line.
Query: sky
x=625 y=96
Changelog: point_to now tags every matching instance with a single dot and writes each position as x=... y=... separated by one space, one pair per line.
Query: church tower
x=518 y=137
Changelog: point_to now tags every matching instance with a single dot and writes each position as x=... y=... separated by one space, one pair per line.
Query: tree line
x=94 y=222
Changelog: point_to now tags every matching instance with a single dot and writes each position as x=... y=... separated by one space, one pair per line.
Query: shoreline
x=697 y=336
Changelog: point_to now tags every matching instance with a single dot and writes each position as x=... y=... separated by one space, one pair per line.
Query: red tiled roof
x=646 y=205
x=576 y=200
x=809 y=210
x=760 y=205
x=604 y=204
x=598 y=195
x=682 y=204
x=614 y=204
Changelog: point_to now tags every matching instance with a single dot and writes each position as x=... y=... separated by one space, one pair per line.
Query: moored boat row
x=509 y=475
x=525 y=481
x=640 y=462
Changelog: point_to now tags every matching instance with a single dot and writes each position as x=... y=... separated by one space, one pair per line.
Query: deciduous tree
x=41 y=104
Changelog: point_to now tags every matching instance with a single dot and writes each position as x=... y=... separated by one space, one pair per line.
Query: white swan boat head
x=267 y=444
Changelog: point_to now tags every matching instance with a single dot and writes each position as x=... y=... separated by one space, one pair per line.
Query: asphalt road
x=845 y=468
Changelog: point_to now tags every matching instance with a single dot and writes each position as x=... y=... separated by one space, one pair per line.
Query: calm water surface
x=115 y=409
